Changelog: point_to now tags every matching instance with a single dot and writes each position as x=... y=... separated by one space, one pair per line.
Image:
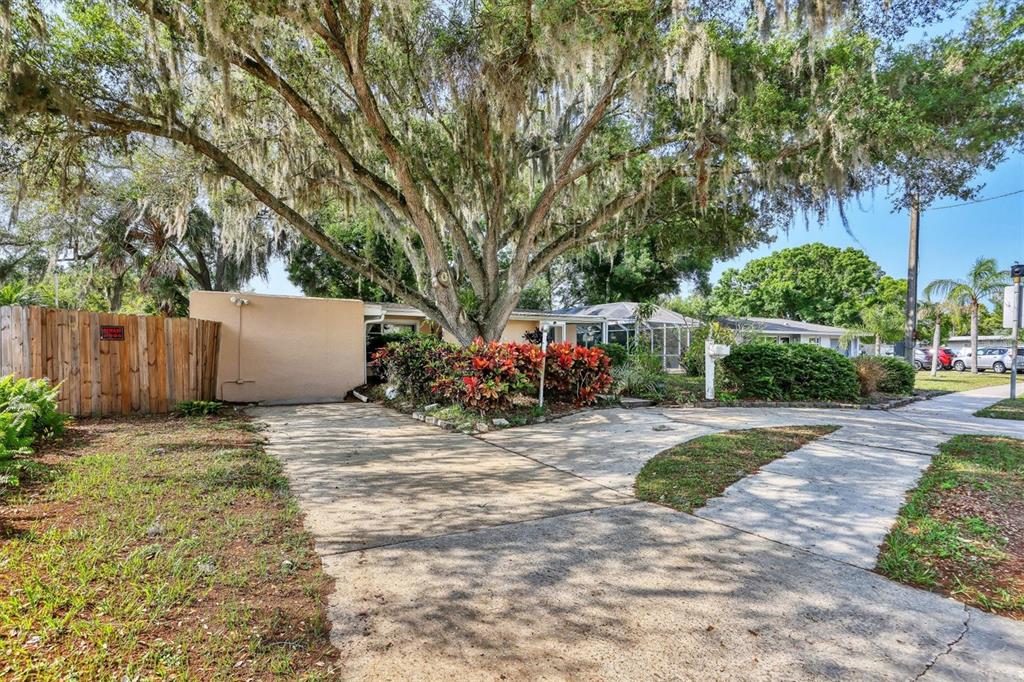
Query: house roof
x=625 y=311
x=778 y=326
x=403 y=310
x=984 y=337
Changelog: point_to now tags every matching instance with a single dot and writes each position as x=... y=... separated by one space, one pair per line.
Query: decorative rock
x=500 y=422
x=288 y=565
x=391 y=392
x=432 y=407
x=446 y=425
x=661 y=427
x=541 y=419
x=482 y=427
x=156 y=528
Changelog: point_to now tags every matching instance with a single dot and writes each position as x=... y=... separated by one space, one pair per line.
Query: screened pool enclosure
x=664 y=333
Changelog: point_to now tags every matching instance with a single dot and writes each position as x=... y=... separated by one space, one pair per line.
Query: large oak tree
x=489 y=137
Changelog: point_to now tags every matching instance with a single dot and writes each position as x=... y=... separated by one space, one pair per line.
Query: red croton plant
x=577 y=373
x=488 y=376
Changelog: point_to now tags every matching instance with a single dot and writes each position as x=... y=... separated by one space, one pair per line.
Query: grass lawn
x=961 y=531
x=1004 y=409
x=686 y=476
x=952 y=381
x=160 y=547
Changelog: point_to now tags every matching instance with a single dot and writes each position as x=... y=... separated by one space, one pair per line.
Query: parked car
x=997 y=358
x=946 y=358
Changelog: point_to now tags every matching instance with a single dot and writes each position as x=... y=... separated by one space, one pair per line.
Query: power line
x=976 y=201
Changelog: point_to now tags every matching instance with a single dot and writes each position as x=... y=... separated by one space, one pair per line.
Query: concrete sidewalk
x=523 y=556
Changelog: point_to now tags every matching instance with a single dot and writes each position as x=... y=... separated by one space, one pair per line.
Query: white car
x=996 y=358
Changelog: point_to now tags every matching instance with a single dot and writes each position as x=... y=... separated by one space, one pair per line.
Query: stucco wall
x=285 y=348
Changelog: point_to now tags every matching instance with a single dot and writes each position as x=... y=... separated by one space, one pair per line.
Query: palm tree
x=934 y=311
x=983 y=282
x=883 y=322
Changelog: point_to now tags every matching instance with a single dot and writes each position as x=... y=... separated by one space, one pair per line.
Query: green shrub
x=616 y=352
x=199 y=408
x=795 y=371
x=899 y=376
x=693 y=361
x=822 y=374
x=759 y=370
x=414 y=363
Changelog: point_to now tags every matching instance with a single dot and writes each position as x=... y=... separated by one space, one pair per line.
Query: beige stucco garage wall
x=285 y=348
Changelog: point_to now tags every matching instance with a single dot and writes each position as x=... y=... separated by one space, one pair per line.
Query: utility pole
x=910 y=322
x=1017 y=271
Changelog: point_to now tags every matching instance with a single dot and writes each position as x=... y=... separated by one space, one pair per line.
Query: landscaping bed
x=686 y=476
x=961 y=531
x=159 y=547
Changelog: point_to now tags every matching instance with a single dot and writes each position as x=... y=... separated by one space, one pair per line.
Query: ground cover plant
x=686 y=476
x=163 y=548
x=1004 y=409
x=961 y=531
x=28 y=413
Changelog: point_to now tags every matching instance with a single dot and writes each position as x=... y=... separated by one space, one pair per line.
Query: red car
x=946 y=356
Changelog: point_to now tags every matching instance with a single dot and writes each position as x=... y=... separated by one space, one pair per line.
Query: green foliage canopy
x=812 y=283
x=491 y=138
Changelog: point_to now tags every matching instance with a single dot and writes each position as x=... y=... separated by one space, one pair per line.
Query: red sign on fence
x=111 y=332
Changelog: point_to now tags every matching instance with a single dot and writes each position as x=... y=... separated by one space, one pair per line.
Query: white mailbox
x=719 y=350
x=712 y=352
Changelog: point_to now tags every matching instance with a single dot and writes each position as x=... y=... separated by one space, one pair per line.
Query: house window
x=815 y=340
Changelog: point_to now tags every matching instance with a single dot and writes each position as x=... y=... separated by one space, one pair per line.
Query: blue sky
x=951 y=239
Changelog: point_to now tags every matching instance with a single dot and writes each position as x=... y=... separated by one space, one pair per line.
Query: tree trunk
x=936 y=338
x=974 y=338
x=910 y=319
x=878 y=345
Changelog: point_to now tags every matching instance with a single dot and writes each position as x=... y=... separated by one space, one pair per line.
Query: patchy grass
x=961 y=531
x=1004 y=409
x=949 y=381
x=683 y=388
x=686 y=476
x=162 y=547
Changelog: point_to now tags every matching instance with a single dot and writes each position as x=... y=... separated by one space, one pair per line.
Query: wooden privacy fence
x=108 y=363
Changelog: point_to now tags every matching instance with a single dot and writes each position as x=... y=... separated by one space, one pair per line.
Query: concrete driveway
x=525 y=556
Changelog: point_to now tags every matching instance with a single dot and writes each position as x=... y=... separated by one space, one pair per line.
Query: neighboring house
x=782 y=330
x=960 y=343
x=665 y=333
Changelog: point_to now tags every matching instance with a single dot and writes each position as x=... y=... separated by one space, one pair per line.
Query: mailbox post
x=712 y=352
